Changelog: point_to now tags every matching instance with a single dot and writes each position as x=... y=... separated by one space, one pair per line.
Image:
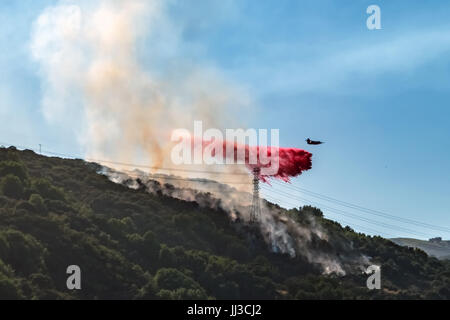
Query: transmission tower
x=256 y=208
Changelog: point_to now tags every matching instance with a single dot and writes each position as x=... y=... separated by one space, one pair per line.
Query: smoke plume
x=94 y=73
x=281 y=233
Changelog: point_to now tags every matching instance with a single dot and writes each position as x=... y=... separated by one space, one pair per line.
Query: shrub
x=9 y=289
x=38 y=203
x=4 y=247
x=47 y=190
x=14 y=168
x=3 y=201
x=41 y=281
x=24 y=253
x=25 y=206
x=11 y=186
x=59 y=207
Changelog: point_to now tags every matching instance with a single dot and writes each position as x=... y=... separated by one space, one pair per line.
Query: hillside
x=438 y=249
x=137 y=240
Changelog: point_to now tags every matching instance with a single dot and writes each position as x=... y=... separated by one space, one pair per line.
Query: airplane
x=309 y=141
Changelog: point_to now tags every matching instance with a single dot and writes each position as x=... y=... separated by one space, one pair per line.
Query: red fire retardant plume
x=292 y=161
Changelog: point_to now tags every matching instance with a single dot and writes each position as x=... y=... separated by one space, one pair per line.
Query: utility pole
x=256 y=207
x=40 y=148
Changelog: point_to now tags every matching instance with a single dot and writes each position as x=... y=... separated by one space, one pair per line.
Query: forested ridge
x=131 y=244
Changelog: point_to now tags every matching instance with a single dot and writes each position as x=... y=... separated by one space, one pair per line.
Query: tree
x=149 y=291
x=182 y=294
x=151 y=246
x=166 y=257
x=172 y=279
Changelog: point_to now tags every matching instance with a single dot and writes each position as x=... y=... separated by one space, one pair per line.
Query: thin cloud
x=345 y=71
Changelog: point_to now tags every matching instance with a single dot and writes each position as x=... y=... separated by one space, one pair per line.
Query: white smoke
x=280 y=231
x=287 y=236
x=94 y=73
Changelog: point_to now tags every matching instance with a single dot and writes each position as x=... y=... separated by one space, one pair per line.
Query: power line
x=308 y=192
x=148 y=167
x=137 y=165
x=348 y=214
x=128 y=164
x=341 y=221
x=366 y=210
x=155 y=167
x=352 y=215
x=351 y=224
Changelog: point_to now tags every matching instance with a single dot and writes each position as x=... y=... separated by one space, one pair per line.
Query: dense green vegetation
x=131 y=244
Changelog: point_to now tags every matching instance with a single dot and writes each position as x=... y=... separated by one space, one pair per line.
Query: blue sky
x=378 y=98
